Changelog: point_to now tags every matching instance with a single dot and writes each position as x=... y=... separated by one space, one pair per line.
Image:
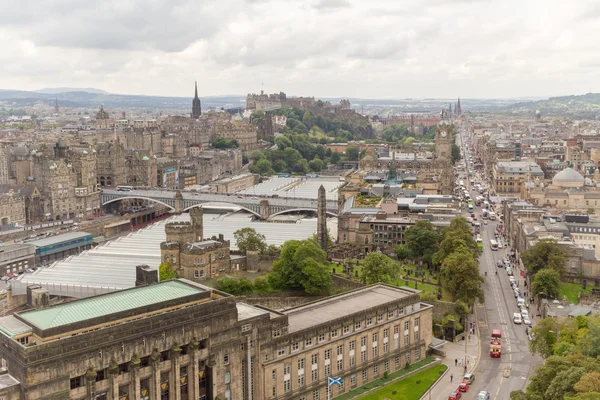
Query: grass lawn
x=411 y=388
x=571 y=290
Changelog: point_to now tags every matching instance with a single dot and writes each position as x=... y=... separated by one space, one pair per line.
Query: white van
x=517 y=318
x=520 y=302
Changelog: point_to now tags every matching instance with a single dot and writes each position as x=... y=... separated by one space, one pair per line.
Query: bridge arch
x=330 y=213
x=139 y=198
x=223 y=203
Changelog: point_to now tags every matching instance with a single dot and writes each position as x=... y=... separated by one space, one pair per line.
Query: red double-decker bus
x=496 y=343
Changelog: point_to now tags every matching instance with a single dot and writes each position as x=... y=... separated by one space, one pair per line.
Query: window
x=386 y=366
x=416 y=336
x=245 y=328
x=375 y=336
x=365 y=375
x=340 y=365
x=358 y=325
x=396 y=329
x=308 y=342
x=352 y=361
x=416 y=322
x=196 y=274
x=417 y=353
x=363 y=341
x=334 y=333
x=316 y=394
x=315 y=375
x=386 y=348
x=274 y=374
x=386 y=332
x=281 y=351
x=390 y=315
x=369 y=321
x=76 y=382
x=276 y=333
x=408 y=357
x=301 y=364
x=352 y=345
x=363 y=356
x=300 y=380
x=328 y=370
x=327 y=354
x=340 y=349
x=397 y=361
x=400 y=311
x=287 y=369
x=406 y=325
x=379 y=318
x=315 y=359
x=321 y=337
x=226 y=358
x=295 y=346
x=376 y=369
x=346 y=329
x=374 y=351
x=287 y=386
x=353 y=381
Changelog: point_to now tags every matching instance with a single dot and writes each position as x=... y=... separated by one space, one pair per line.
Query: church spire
x=196 y=106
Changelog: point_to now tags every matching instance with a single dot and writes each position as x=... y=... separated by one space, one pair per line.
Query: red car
x=463 y=387
x=455 y=395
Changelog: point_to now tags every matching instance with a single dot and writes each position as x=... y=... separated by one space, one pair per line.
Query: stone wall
x=441 y=308
x=279 y=301
x=339 y=282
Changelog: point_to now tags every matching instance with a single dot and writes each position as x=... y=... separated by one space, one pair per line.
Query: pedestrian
x=465 y=369
x=451 y=377
x=455 y=362
x=469 y=336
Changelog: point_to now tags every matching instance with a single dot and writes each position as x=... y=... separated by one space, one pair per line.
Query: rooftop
x=111 y=303
x=332 y=308
x=246 y=311
x=65 y=237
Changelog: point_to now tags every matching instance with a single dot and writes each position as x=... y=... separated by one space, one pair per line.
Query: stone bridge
x=178 y=201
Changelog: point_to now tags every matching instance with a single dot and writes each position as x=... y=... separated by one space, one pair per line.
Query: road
x=516 y=361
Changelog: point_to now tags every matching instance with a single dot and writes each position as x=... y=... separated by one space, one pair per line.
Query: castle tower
x=322 y=219
x=457 y=109
x=443 y=156
x=196 y=106
x=196 y=218
x=56 y=110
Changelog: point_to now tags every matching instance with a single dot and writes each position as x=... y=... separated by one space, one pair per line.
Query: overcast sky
x=354 y=48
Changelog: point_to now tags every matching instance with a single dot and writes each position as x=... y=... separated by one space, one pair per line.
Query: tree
x=352 y=153
x=258 y=155
x=264 y=166
x=291 y=156
x=335 y=157
x=545 y=334
x=403 y=252
x=590 y=382
x=544 y=254
x=423 y=240
x=460 y=276
x=455 y=153
x=283 y=142
x=547 y=281
x=280 y=166
x=377 y=267
x=563 y=384
x=166 y=272
x=589 y=344
x=302 y=264
x=220 y=142
x=457 y=234
x=248 y=239
x=316 y=164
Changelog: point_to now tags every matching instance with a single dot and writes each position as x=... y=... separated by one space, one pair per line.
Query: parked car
x=526 y=320
x=455 y=395
x=463 y=387
x=517 y=319
x=469 y=378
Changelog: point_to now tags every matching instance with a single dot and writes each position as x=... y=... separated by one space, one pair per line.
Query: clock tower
x=443 y=156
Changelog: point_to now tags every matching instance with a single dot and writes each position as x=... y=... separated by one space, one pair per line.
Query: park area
x=572 y=290
x=409 y=388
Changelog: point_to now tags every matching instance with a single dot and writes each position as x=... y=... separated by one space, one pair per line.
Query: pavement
x=455 y=351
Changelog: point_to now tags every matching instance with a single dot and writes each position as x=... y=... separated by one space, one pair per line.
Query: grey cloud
x=331 y=4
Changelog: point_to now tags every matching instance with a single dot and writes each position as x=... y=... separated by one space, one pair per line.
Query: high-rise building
x=196 y=106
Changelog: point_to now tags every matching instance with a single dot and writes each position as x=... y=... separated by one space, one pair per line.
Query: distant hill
x=84 y=99
x=66 y=89
x=586 y=106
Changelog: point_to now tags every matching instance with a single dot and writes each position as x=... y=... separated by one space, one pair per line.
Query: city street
x=500 y=376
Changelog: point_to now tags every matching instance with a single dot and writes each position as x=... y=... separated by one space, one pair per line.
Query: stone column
x=174 y=389
x=155 y=379
x=113 y=373
x=264 y=208
x=90 y=383
x=194 y=372
x=134 y=386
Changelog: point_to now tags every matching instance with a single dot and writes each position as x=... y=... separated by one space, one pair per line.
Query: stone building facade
x=87 y=193
x=189 y=254
x=12 y=209
x=141 y=168
x=32 y=198
x=4 y=165
x=110 y=164
x=57 y=181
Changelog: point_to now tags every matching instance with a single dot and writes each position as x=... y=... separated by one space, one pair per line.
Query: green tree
x=248 y=239
x=377 y=267
x=563 y=384
x=544 y=254
x=590 y=382
x=545 y=335
x=352 y=153
x=457 y=234
x=423 y=240
x=291 y=157
x=166 y=271
x=264 y=166
x=220 y=142
x=547 y=281
x=258 y=155
x=460 y=276
x=455 y=153
x=302 y=264
x=316 y=164
x=283 y=142
x=589 y=344
x=403 y=252
x=280 y=166
x=335 y=157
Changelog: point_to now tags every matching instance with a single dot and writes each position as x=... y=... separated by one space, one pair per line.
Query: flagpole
x=328 y=390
